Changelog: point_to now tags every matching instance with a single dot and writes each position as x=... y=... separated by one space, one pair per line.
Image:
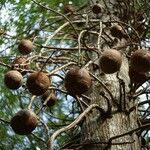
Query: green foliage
x=21 y=19
x=25 y=19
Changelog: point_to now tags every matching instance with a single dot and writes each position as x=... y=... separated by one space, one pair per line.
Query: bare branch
x=64 y=16
x=4 y=121
x=127 y=133
x=73 y=124
x=31 y=101
x=62 y=67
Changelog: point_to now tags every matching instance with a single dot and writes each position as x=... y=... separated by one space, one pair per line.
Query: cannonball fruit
x=25 y=47
x=38 y=83
x=110 y=61
x=138 y=77
x=49 y=98
x=13 y=79
x=97 y=8
x=20 y=62
x=69 y=9
x=24 y=122
x=117 y=31
x=77 y=81
x=140 y=60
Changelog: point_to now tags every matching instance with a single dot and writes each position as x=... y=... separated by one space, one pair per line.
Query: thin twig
x=45 y=125
x=64 y=16
x=68 y=49
x=31 y=101
x=79 y=46
x=62 y=67
x=144 y=102
x=109 y=106
x=37 y=137
x=127 y=133
x=47 y=60
x=5 y=65
x=5 y=121
x=99 y=36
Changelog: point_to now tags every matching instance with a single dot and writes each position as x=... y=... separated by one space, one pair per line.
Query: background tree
x=114 y=112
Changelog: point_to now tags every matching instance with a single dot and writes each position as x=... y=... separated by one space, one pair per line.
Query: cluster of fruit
x=25 y=120
x=77 y=80
x=139 y=65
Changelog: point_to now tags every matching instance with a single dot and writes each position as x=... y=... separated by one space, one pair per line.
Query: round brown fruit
x=118 y=32
x=97 y=8
x=138 y=77
x=13 y=79
x=110 y=61
x=25 y=47
x=69 y=9
x=77 y=81
x=38 y=83
x=140 y=61
x=24 y=122
x=20 y=62
x=49 y=98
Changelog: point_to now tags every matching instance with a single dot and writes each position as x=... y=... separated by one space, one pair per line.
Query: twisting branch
x=79 y=46
x=51 y=36
x=73 y=124
x=122 y=92
x=55 y=32
x=108 y=113
x=100 y=33
x=127 y=133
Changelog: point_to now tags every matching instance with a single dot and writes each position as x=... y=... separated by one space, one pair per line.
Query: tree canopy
x=62 y=33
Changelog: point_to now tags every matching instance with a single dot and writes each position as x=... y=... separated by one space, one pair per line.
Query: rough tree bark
x=101 y=130
x=97 y=131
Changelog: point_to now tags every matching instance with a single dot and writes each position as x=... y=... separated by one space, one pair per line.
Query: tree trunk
x=97 y=130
